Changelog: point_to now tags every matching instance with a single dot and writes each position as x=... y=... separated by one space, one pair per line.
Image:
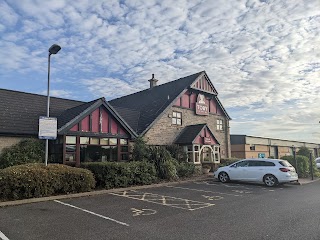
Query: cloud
x=262 y=56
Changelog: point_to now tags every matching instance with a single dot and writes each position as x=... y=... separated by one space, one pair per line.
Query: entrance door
x=206 y=154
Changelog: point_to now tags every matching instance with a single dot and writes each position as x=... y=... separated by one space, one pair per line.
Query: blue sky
x=263 y=57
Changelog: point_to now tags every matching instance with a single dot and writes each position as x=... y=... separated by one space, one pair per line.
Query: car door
x=236 y=171
x=254 y=171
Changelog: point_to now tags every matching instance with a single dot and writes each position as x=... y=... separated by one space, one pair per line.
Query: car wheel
x=223 y=177
x=270 y=180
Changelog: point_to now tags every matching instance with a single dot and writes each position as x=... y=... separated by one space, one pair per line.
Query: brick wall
x=164 y=133
x=8 y=141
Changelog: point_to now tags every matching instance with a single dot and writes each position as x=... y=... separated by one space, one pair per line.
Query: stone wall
x=164 y=133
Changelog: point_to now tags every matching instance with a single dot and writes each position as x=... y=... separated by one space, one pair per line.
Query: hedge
x=303 y=168
x=38 y=180
x=26 y=151
x=122 y=174
x=185 y=169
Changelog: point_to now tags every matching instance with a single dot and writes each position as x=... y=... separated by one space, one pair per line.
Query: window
x=243 y=164
x=84 y=140
x=253 y=148
x=71 y=139
x=104 y=141
x=113 y=141
x=220 y=124
x=70 y=153
x=176 y=118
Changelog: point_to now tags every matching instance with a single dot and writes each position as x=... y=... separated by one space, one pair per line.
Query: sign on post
x=48 y=128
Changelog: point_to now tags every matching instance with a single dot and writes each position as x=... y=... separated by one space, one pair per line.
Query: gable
x=205 y=137
x=99 y=121
x=97 y=118
x=196 y=134
x=204 y=84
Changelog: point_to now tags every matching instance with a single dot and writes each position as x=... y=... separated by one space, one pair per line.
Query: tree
x=140 y=150
x=304 y=151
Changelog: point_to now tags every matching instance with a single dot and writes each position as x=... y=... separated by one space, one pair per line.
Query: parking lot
x=175 y=211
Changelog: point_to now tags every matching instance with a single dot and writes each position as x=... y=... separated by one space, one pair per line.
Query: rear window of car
x=285 y=163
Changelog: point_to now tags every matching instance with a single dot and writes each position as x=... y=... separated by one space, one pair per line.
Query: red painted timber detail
x=85 y=124
x=95 y=120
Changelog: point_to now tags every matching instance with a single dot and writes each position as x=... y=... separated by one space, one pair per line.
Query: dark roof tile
x=145 y=106
x=20 y=111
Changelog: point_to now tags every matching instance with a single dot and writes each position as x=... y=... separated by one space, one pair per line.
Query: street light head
x=54 y=49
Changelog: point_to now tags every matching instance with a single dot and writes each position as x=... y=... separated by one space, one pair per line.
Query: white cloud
x=262 y=56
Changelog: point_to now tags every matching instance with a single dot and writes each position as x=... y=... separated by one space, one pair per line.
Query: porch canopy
x=200 y=144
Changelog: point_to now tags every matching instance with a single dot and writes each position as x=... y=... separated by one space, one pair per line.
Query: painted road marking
x=144 y=211
x=211 y=183
x=96 y=214
x=163 y=200
x=206 y=191
x=211 y=198
x=3 y=237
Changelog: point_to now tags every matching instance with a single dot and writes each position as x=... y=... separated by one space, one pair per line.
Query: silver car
x=271 y=172
x=318 y=162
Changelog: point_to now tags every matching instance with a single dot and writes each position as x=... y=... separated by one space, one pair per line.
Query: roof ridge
x=40 y=95
x=170 y=82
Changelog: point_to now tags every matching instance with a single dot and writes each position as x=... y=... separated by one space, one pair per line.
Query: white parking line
x=200 y=190
x=3 y=237
x=96 y=214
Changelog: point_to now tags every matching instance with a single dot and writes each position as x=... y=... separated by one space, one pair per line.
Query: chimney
x=153 y=82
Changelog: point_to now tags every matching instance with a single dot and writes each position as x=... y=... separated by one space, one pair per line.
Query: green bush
x=304 y=151
x=168 y=169
x=122 y=174
x=37 y=180
x=177 y=152
x=159 y=156
x=185 y=169
x=26 y=151
x=227 y=161
x=140 y=150
x=303 y=168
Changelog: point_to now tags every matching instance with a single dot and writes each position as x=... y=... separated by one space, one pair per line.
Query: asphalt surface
x=203 y=209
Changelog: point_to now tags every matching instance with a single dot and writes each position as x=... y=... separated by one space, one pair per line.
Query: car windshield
x=285 y=163
x=317 y=160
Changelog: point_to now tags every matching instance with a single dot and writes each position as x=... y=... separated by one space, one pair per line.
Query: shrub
x=304 y=151
x=26 y=151
x=227 y=161
x=37 y=180
x=168 y=169
x=185 y=169
x=177 y=152
x=140 y=150
x=159 y=156
x=303 y=168
x=122 y=174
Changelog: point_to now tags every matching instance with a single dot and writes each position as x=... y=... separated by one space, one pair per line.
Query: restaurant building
x=185 y=111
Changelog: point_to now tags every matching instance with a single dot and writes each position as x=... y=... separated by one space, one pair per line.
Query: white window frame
x=176 y=118
x=220 y=125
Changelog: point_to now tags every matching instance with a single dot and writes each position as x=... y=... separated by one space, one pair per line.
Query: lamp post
x=54 y=49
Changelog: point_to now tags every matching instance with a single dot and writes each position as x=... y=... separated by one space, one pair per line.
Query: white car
x=268 y=171
x=318 y=162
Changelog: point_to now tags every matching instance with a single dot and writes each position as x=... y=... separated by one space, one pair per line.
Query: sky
x=262 y=56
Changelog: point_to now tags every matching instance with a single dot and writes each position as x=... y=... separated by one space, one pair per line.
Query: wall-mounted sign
x=206 y=140
x=261 y=155
x=201 y=107
x=48 y=128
